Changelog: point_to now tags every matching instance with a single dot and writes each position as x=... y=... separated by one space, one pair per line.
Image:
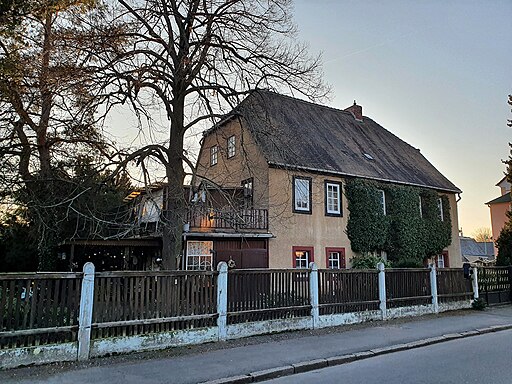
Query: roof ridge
x=323 y=106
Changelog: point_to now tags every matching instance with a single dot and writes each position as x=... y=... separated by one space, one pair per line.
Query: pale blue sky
x=435 y=73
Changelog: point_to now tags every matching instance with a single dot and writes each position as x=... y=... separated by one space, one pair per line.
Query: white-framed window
x=334 y=260
x=302 y=256
x=214 y=155
x=332 y=198
x=231 y=146
x=335 y=257
x=421 y=206
x=302 y=194
x=199 y=255
x=440 y=209
x=440 y=261
x=382 y=201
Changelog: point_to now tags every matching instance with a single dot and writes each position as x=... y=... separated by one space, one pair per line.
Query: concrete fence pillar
x=85 y=314
x=433 y=288
x=382 y=290
x=313 y=294
x=222 y=300
x=474 y=283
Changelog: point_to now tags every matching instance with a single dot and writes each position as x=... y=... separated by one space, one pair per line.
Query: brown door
x=231 y=256
x=254 y=258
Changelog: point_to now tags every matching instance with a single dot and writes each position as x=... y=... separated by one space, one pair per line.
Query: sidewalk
x=240 y=357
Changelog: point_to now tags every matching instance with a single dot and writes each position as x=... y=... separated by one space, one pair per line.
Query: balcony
x=206 y=219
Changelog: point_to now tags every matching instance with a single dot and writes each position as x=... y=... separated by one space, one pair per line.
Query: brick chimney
x=356 y=110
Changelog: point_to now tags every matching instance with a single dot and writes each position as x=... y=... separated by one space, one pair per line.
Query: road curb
x=311 y=365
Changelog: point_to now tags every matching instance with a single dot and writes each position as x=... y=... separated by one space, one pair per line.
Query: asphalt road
x=479 y=359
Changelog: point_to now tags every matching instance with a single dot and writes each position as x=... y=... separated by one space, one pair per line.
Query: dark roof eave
x=338 y=173
x=506 y=198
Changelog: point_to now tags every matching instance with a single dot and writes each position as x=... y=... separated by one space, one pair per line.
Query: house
x=476 y=252
x=295 y=161
x=498 y=208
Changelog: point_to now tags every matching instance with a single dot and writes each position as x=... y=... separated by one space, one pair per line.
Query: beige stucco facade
x=273 y=190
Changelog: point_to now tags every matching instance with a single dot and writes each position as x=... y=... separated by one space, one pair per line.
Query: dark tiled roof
x=502 y=199
x=297 y=133
x=471 y=247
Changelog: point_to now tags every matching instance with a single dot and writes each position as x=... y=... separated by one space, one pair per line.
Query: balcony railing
x=243 y=219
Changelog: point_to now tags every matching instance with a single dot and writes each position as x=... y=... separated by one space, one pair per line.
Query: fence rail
x=38 y=308
x=343 y=291
x=452 y=286
x=135 y=310
x=405 y=287
x=263 y=294
x=127 y=304
x=494 y=284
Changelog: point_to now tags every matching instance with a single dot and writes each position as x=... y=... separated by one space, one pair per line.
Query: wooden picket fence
x=132 y=303
x=266 y=294
x=349 y=290
x=38 y=308
x=42 y=309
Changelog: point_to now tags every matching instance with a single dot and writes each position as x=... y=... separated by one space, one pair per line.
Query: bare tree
x=198 y=58
x=482 y=234
x=50 y=94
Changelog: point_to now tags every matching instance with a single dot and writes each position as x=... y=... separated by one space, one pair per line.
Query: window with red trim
x=302 y=256
x=442 y=260
x=335 y=258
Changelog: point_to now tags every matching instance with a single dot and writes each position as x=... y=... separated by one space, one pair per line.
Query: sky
x=435 y=73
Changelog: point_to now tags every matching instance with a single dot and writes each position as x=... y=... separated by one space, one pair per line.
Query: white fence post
x=474 y=283
x=222 y=300
x=382 y=290
x=85 y=316
x=433 y=288
x=313 y=293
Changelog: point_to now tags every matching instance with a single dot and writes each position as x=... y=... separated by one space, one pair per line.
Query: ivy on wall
x=407 y=234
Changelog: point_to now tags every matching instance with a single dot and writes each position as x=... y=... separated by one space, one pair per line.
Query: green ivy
x=407 y=236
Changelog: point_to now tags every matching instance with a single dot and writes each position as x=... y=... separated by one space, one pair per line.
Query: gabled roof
x=471 y=247
x=293 y=133
x=502 y=199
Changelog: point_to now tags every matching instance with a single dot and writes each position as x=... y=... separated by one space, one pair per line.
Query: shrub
x=479 y=304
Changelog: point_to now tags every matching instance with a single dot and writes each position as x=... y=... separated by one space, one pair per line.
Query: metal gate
x=494 y=284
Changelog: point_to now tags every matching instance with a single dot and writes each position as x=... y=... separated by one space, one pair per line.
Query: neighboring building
x=475 y=252
x=499 y=208
x=292 y=159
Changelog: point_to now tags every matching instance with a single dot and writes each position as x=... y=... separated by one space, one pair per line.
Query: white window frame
x=214 y=155
x=440 y=209
x=421 y=209
x=334 y=259
x=231 y=146
x=302 y=262
x=302 y=194
x=199 y=258
x=333 y=198
x=440 y=261
x=383 y=201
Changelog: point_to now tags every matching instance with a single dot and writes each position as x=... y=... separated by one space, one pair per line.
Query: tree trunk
x=174 y=198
